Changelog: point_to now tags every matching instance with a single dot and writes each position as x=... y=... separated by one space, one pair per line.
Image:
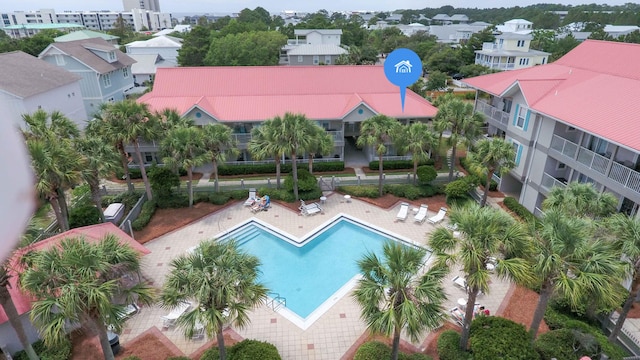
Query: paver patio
x=337 y=329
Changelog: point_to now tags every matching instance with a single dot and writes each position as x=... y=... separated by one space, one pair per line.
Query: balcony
x=296 y=41
x=497 y=66
x=618 y=173
x=549 y=181
x=497 y=117
x=489 y=46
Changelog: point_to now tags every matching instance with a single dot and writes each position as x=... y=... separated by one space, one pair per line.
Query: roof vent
x=556 y=92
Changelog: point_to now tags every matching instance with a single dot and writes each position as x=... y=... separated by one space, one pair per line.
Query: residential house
x=164 y=45
x=144 y=69
x=520 y=26
x=182 y=29
x=317 y=53
x=572 y=120
x=445 y=19
x=510 y=51
x=28 y=84
x=412 y=28
x=28 y=30
x=456 y=33
x=105 y=70
x=87 y=34
x=338 y=98
x=93 y=234
x=616 y=31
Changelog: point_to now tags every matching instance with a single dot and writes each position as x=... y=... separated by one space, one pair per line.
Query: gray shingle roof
x=320 y=31
x=24 y=75
x=81 y=50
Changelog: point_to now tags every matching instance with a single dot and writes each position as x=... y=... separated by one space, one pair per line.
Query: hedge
x=135 y=173
x=557 y=344
x=426 y=173
x=376 y=350
x=253 y=349
x=248 y=169
x=129 y=199
x=84 y=215
x=398 y=164
x=493 y=337
x=61 y=351
x=449 y=346
x=517 y=208
x=148 y=209
x=407 y=191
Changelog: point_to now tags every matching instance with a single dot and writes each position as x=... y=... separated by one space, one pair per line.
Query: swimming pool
x=314 y=271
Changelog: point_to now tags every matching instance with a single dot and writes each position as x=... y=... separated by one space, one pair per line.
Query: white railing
x=490 y=46
x=395 y=157
x=493 y=113
x=296 y=41
x=619 y=173
x=549 y=181
x=497 y=66
x=241 y=138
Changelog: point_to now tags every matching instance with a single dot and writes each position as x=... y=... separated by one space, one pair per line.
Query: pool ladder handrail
x=276 y=301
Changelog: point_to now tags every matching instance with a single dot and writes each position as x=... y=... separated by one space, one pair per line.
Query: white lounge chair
x=169 y=320
x=438 y=217
x=460 y=282
x=309 y=209
x=403 y=212
x=422 y=214
x=252 y=197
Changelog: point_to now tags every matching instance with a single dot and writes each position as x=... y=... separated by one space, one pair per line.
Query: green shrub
x=458 y=188
x=522 y=212
x=253 y=349
x=306 y=181
x=238 y=194
x=148 y=209
x=162 y=180
x=129 y=199
x=61 y=351
x=373 y=350
x=134 y=173
x=81 y=190
x=556 y=344
x=250 y=169
x=84 y=215
x=174 y=201
x=211 y=354
x=494 y=337
x=397 y=164
x=460 y=202
x=369 y=191
x=178 y=358
x=219 y=198
x=416 y=356
x=276 y=194
x=449 y=346
x=426 y=174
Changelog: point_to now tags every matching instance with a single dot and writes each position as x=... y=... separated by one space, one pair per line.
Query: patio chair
x=422 y=214
x=252 y=197
x=309 y=209
x=457 y=315
x=169 y=320
x=198 y=331
x=438 y=217
x=460 y=282
x=403 y=212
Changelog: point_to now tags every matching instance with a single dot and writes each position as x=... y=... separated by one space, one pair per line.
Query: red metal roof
x=257 y=93
x=594 y=87
x=93 y=233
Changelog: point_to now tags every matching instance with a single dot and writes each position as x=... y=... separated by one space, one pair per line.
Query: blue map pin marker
x=402 y=67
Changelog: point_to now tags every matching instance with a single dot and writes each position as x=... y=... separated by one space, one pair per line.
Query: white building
x=152 y=5
x=165 y=46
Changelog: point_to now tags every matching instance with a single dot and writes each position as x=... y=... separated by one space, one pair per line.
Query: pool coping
x=305 y=323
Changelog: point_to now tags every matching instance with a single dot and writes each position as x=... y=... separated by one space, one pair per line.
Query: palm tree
x=184 y=147
x=395 y=295
x=378 y=131
x=464 y=123
x=626 y=230
x=134 y=122
x=296 y=134
x=570 y=263
x=76 y=282
x=486 y=235
x=321 y=143
x=219 y=141
x=581 y=199
x=264 y=143
x=170 y=118
x=489 y=156
x=99 y=160
x=12 y=313
x=104 y=127
x=223 y=281
x=419 y=139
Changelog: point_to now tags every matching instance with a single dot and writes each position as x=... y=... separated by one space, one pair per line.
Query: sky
x=276 y=6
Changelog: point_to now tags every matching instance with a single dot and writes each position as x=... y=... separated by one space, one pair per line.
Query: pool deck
x=336 y=331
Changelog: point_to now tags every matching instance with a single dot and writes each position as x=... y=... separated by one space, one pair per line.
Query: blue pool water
x=307 y=276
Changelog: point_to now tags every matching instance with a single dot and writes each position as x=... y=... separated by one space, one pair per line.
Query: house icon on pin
x=403 y=67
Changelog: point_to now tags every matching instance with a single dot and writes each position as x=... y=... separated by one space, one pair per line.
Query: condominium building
x=152 y=5
x=571 y=120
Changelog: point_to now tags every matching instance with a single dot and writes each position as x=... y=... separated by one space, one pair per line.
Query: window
x=59 y=60
x=148 y=158
x=125 y=72
x=570 y=128
x=106 y=80
x=316 y=59
x=506 y=106
x=327 y=59
x=561 y=166
x=520 y=43
x=517 y=148
x=300 y=58
x=524 y=61
x=112 y=56
x=521 y=117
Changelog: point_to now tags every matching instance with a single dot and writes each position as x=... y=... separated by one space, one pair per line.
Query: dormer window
x=112 y=56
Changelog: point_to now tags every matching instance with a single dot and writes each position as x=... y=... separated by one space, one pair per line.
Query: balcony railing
x=497 y=66
x=619 y=173
x=493 y=113
x=488 y=46
x=549 y=181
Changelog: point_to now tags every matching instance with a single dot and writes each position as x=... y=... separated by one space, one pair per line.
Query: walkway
x=335 y=331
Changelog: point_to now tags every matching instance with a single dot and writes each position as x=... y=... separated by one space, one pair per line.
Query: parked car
x=457 y=76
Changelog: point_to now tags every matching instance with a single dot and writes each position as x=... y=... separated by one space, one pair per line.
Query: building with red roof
x=338 y=98
x=571 y=120
x=22 y=302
